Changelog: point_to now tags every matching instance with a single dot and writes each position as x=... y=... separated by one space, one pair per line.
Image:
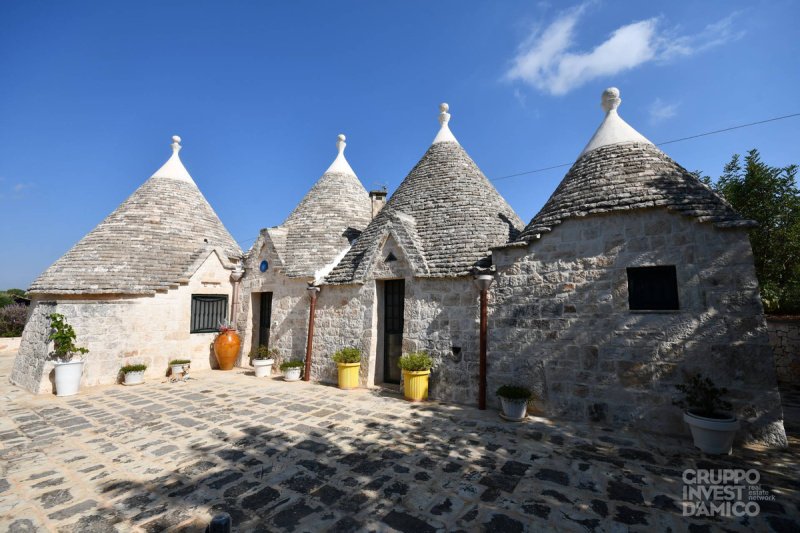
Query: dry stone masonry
x=561 y=318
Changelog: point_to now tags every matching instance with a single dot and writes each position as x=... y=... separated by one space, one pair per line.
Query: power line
x=740 y=126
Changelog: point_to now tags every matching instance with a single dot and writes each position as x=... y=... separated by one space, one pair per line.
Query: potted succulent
x=707 y=414
x=68 y=372
x=416 y=368
x=263 y=359
x=226 y=346
x=291 y=369
x=133 y=374
x=349 y=363
x=514 y=400
x=179 y=366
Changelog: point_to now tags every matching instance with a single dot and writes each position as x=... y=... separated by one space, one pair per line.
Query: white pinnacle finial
x=610 y=99
x=444 y=116
x=444 y=135
x=613 y=130
x=340 y=164
x=173 y=168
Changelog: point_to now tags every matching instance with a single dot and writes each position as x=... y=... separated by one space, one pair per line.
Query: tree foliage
x=770 y=196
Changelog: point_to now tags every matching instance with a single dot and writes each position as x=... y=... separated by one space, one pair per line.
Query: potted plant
x=68 y=372
x=514 y=400
x=179 y=366
x=226 y=346
x=133 y=374
x=416 y=368
x=707 y=414
x=263 y=359
x=349 y=363
x=291 y=370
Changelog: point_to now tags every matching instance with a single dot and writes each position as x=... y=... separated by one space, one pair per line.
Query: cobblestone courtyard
x=300 y=457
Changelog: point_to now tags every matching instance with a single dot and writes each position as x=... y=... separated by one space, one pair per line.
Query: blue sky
x=90 y=93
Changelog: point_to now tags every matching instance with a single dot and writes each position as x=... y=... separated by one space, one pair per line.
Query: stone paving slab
x=304 y=457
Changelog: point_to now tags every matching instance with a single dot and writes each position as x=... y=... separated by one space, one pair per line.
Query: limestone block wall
x=289 y=320
x=560 y=323
x=784 y=337
x=122 y=329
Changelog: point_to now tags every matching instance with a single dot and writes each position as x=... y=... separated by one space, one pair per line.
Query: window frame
x=216 y=319
x=637 y=287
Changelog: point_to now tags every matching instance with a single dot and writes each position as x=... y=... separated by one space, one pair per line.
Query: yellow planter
x=348 y=375
x=415 y=385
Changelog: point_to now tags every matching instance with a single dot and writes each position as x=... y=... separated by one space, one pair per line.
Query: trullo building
x=150 y=283
x=286 y=259
x=633 y=275
x=413 y=267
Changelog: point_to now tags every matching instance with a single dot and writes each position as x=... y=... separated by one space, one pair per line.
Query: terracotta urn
x=226 y=348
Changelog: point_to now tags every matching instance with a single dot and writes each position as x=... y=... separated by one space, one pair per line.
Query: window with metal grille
x=653 y=288
x=208 y=312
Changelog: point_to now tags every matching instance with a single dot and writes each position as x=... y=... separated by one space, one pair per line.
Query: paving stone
x=626 y=515
x=406 y=523
x=260 y=499
x=54 y=497
x=554 y=476
x=288 y=518
x=71 y=511
x=501 y=523
x=623 y=492
x=22 y=525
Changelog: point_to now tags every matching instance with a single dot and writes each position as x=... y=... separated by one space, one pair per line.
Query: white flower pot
x=515 y=409
x=263 y=367
x=68 y=378
x=712 y=435
x=134 y=378
x=292 y=374
x=178 y=369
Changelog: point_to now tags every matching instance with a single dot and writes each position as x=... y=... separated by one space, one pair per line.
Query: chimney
x=378 y=199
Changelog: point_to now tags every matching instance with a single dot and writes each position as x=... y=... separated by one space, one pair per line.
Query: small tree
x=63 y=337
x=702 y=397
x=770 y=196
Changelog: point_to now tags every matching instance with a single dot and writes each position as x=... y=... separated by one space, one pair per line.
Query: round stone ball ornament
x=263 y=266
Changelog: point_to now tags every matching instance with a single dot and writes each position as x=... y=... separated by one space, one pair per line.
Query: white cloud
x=547 y=59
x=660 y=110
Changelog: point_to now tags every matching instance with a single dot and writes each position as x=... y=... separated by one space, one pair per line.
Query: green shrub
x=262 y=352
x=133 y=368
x=179 y=362
x=514 y=392
x=347 y=355
x=701 y=397
x=295 y=363
x=12 y=320
x=63 y=337
x=415 y=362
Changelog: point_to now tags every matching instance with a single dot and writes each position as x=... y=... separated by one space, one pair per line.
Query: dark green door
x=393 y=295
x=264 y=319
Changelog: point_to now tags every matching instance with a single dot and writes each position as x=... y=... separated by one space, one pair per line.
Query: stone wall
x=122 y=329
x=784 y=337
x=560 y=323
x=289 y=324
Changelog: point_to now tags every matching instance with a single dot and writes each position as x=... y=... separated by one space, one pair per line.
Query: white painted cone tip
x=340 y=164
x=444 y=135
x=613 y=130
x=173 y=168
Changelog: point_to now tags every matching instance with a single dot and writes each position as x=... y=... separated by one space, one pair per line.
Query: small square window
x=208 y=312
x=653 y=288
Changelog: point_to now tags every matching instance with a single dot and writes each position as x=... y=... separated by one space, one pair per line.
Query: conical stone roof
x=620 y=170
x=153 y=240
x=445 y=214
x=325 y=222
